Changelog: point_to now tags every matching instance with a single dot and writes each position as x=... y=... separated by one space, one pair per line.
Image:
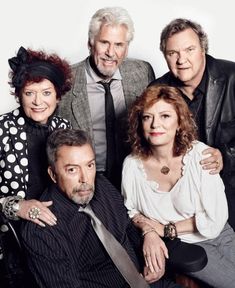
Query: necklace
x=165 y=170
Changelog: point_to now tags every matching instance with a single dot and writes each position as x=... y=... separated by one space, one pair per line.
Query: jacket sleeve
x=227 y=147
x=48 y=259
x=151 y=73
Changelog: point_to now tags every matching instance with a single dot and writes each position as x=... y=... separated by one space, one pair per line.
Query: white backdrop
x=61 y=26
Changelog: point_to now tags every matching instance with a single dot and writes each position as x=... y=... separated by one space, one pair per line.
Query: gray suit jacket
x=74 y=106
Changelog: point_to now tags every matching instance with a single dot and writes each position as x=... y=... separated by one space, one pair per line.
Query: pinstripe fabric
x=70 y=253
x=116 y=252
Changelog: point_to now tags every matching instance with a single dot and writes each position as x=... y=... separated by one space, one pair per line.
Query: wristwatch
x=11 y=207
x=16 y=206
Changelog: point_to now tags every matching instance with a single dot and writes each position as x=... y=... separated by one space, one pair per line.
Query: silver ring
x=34 y=213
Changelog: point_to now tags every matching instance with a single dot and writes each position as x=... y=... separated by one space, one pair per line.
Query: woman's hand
x=154 y=251
x=37 y=212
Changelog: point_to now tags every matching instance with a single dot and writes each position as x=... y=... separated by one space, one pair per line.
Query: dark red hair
x=151 y=95
x=22 y=75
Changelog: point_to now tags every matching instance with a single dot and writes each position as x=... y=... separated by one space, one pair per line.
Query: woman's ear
x=51 y=174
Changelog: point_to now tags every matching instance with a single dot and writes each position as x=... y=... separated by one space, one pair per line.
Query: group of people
x=89 y=218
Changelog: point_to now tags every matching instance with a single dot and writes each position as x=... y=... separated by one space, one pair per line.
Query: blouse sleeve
x=212 y=210
x=128 y=186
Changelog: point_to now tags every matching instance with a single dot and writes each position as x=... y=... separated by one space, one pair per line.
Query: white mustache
x=109 y=59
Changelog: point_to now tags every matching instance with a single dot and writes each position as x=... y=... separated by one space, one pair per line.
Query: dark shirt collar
x=201 y=88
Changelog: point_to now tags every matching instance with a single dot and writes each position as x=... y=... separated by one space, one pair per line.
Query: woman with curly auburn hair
x=186 y=132
x=39 y=81
x=168 y=193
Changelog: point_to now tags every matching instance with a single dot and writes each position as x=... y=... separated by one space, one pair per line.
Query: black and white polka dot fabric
x=13 y=152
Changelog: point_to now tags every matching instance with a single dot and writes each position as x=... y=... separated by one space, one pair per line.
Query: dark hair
x=64 y=137
x=171 y=95
x=31 y=66
x=179 y=25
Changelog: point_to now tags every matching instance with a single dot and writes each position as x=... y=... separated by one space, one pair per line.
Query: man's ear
x=51 y=174
x=89 y=46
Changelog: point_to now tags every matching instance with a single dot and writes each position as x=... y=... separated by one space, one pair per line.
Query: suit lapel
x=80 y=103
x=215 y=90
x=131 y=82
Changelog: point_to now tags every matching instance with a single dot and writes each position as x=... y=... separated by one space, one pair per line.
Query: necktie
x=110 y=120
x=116 y=252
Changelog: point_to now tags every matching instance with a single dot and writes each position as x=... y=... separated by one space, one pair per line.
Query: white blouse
x=196 y=193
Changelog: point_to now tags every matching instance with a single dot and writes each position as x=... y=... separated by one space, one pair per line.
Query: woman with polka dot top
x=39 y=80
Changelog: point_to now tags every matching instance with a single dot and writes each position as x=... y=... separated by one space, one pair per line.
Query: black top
x=197 y=106
x=37 y=159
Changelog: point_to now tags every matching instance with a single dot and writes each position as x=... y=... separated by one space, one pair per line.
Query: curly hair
x=31 y=59
x=187 y=127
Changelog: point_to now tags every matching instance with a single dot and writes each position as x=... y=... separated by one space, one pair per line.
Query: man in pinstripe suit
x=70 y=254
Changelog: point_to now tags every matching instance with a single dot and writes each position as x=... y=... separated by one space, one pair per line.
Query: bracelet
x=11 y=206
x=170 y=231
x=147 y=231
